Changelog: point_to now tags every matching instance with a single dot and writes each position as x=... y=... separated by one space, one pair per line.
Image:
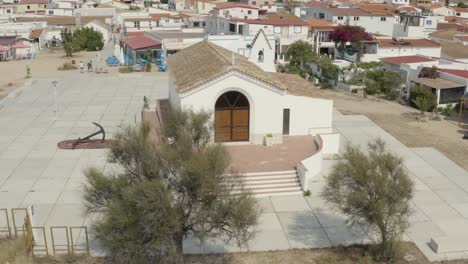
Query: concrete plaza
x=34 y=172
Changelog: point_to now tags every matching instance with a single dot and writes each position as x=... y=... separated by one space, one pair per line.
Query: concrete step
x=271 y=173
x=271 y=183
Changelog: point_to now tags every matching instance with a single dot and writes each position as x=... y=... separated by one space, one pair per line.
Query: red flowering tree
x=353 y=34
x=429 y=72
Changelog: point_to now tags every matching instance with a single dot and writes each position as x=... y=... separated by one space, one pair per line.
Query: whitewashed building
x=415 y=25
x=196 y=84
x=252 y=107
x=381 y=47
x=259 y=49
x=373 y=22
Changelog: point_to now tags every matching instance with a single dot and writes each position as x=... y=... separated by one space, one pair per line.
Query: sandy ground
x=400 y=121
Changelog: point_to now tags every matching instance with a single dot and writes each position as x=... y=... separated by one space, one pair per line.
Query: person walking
x=81 y=67
x=90 y=66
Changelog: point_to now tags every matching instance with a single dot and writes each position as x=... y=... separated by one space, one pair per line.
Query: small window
x=356 y=18
x=28 y=7
x=249 y=12
x=265 y=27
x=196 y=24
x=8 y=11
x=51 y=12
x=340 y=18
x=429 y=22
x=297 y=29
x=260 y=56
x=203 y=24
x=383 y=19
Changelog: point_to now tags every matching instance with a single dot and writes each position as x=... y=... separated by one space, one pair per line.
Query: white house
x=202 y=74
x=251 y=106
x=381 y=47
x=415 y=25
x=319 y=35
x=257 y=3
x=441 y=10
x=100 y=25
x=286 y=28
x=199 y=6
x=259 y=49
x=461 y=12
x=237 y=11
x=374 y=22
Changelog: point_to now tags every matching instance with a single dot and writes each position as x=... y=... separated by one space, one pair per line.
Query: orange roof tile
x=320 y=24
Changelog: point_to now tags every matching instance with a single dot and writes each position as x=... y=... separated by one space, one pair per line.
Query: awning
x=4 y=48
x=438 y=83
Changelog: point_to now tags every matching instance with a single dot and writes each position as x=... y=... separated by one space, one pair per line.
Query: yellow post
x=7 y=219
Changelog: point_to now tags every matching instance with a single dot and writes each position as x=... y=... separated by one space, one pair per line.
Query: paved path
x=32 y=170
x=440 y=205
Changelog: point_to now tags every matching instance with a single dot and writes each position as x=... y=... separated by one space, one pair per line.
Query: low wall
x=348 y=87
x=311 y=166
x=331 y=143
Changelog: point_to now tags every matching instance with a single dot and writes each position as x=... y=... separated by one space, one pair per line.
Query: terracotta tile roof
x=235 y=5
x=462 y=38
x=353 y=12
x=275 y=20
x=136 y=34
x=60 y=20
x=449 y=26
x=455 y=50
x=406 y=59
x=315 y=4
x=205 y=61
x=461 y=9
x=459 y=73
x=445 y=34
x=137 y=43
x=130 y=19
x=28 y=2
x=423 y=43
x=431 y=7
x=35 y=33
x=407 y=9
x=320 y=24
x=378 y=8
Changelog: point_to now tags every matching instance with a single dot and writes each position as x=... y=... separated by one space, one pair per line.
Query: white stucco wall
x=307 y=115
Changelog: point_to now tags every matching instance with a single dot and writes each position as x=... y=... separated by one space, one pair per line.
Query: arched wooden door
x=232 y=117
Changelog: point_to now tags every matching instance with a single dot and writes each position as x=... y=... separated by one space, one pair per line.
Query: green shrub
x=393 y=95
x=126 y=69
x=307 y=193
x=269 y=135
x=447 y=110
x=67 y=67
x=418 y=91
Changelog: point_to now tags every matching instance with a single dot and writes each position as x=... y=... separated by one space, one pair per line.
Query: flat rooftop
x=168 y=34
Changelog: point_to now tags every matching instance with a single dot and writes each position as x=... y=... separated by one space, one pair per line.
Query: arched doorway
x=232 y=117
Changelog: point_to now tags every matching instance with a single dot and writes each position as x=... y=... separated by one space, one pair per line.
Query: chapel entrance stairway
x=272 y=183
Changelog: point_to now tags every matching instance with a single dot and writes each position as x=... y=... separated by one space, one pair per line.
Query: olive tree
x=169 y=187
x=372 y=190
